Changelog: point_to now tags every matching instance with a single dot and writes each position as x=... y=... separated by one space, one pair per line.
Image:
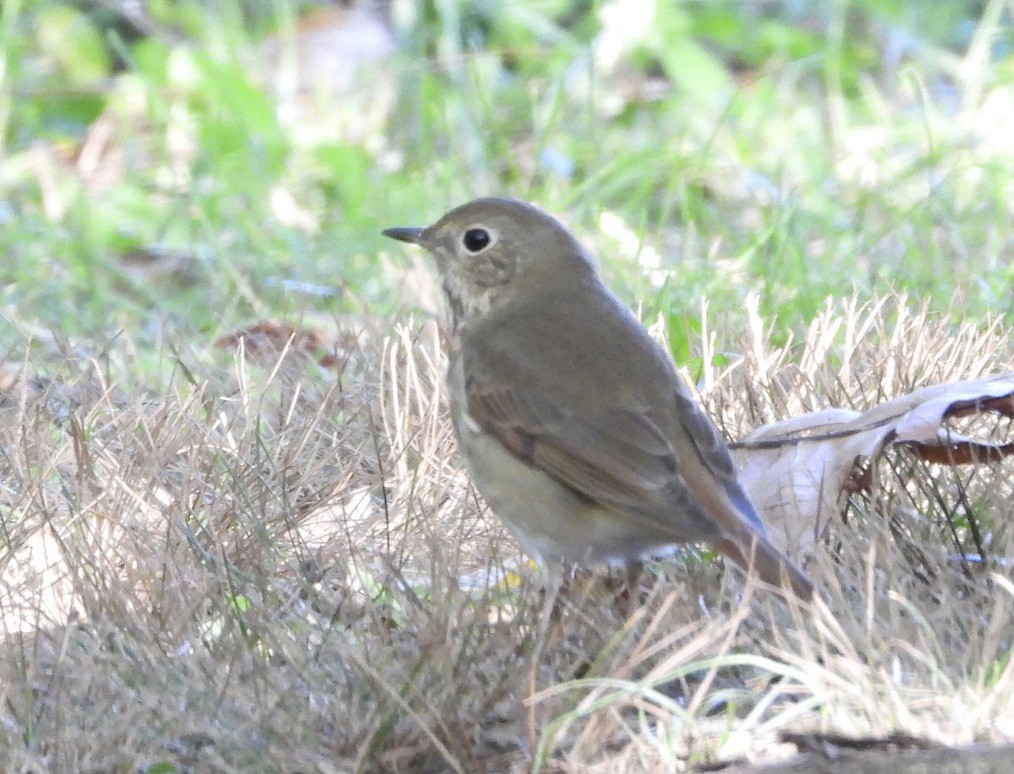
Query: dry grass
x=266 y=567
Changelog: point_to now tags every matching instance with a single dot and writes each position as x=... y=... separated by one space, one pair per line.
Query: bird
x=572 y=421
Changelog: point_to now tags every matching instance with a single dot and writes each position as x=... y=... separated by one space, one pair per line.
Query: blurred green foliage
x=791 y=148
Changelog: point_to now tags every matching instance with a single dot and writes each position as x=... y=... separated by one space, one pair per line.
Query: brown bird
x=572 y=421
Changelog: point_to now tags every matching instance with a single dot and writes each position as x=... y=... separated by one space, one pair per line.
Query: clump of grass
x=267 y=567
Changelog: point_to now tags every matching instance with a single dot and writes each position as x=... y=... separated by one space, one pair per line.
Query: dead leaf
x=799 y=471
x=19 y=384
x=268 y=340
x=332 y=341
x=149 y=266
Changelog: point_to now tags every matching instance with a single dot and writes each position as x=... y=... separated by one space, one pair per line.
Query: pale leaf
x=798 y=471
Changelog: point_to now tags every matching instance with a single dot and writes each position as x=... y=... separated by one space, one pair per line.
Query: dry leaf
x=266 y=340
x=798 y=471
x=148 y=266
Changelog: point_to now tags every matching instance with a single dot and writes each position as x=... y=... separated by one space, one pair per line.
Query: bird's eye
x=475 y=239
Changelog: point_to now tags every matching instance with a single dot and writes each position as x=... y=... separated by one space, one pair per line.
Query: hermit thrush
x=571 y=419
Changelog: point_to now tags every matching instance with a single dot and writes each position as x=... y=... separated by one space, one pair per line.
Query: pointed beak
x=405 y=234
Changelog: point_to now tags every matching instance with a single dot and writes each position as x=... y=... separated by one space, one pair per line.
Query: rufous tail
x=760 y=557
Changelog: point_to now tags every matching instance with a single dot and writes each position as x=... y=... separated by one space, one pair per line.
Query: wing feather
x=617 y=457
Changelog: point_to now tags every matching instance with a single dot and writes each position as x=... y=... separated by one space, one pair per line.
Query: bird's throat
x=454 y=303
x=465 y=302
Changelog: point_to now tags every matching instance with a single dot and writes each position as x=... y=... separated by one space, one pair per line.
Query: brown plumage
x=572 y=421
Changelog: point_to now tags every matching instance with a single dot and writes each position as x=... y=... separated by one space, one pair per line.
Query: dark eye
x=475 y=239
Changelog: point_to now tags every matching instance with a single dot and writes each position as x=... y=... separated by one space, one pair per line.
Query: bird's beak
x=414 y=236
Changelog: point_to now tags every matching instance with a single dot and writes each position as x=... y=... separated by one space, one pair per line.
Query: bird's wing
x=617 y=457
x=704 y=439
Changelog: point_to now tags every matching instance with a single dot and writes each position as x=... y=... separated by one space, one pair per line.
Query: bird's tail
x=756 y=554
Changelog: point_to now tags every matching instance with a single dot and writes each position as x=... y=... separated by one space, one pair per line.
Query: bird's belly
x=550 y=520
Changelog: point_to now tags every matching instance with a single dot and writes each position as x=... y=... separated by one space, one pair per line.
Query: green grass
x=801 y=161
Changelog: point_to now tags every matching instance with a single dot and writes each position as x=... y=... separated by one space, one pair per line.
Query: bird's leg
x=630 y=596
x=554 y=581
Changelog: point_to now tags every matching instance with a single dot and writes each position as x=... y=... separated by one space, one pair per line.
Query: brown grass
x=265 y=566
